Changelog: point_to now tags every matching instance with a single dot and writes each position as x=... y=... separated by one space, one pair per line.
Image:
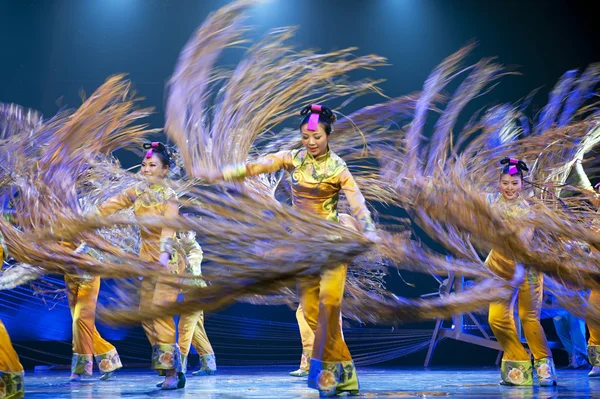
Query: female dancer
x=318 y=176
x=154 y=198
x=516 y=362
x=11 y=371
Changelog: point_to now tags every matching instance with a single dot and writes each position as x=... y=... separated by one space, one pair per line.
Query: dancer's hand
x=164 y=258
x=373 y=237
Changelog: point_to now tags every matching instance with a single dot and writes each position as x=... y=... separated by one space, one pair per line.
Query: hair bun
x=520 y=165
x=328 y=113
x=305 y=110
x=158 y=147
x=323 y=111
x=314 y=114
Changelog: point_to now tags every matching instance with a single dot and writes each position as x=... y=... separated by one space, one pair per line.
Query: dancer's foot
x=205 y=371
x=595 y=372
x=546 y=372
x=107 y=376
x=207 y=365
x=170 y=382
x=176 y=381
x=336 y=392
x=299 y=373
x=75 y=378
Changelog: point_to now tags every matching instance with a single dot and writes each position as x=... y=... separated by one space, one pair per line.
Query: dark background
x=50 y=50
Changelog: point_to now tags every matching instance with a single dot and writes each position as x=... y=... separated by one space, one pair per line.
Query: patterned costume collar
x=152 y=186
x=320 y=159
x=320 y=168
x=510 y=208
x=151 y=194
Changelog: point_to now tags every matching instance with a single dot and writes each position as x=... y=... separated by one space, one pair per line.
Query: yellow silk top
x=146 y=200
x=316 y=183
x=510 y=209
x=502 y=264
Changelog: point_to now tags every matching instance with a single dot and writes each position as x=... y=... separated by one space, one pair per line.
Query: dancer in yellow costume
x=516 y=362
x=318 y=175
x=154 y=198
x=11 y=371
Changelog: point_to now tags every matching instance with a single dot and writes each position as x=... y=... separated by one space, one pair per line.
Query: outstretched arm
x=357 y=202
x=268 y=164
x=120 y=201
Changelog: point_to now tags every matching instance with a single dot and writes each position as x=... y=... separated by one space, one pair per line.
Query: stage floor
x=273 y=382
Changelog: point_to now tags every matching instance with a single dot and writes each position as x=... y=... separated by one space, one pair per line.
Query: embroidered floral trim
x=208 y=362
x=332 y=376
x=166 y=357
x=109 y=361
x=11 y=385
x=545 y=371
x=82 y=364
x=517 y=372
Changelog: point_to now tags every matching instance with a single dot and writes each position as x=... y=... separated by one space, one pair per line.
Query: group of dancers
x=321 y=186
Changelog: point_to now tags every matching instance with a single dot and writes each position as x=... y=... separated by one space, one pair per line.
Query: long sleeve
x=120 y=201
x=268 y=164
x=357 y=201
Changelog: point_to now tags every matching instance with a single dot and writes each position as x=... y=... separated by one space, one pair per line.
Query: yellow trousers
x=331 y=366
x=594 y=328
x=87 y=342
x=593 y=323
x=11 y=371
x=307 y=336
x=321 y=301
x=161 y=332
x=192 y=332
x=9 y=361
x=501 y=315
